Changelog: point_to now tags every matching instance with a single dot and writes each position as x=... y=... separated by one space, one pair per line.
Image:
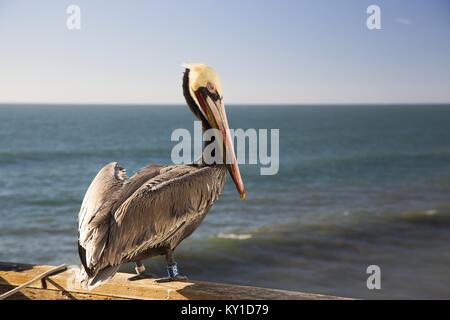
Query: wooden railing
x=64 y=285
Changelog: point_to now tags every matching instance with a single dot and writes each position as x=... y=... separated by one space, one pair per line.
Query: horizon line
x=156 y=104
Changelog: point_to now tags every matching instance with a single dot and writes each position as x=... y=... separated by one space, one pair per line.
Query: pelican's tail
x=83 y=277
x=102 y=276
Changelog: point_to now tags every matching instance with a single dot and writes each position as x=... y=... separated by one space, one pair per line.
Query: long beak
x=217 y=118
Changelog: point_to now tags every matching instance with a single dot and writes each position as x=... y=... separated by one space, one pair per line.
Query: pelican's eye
x=210 y=86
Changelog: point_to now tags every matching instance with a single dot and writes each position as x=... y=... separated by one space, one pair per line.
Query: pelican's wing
x=148 y=218
x=136 y=181
x=95 y=212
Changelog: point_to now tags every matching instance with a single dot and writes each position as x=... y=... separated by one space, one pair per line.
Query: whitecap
x=234 y=236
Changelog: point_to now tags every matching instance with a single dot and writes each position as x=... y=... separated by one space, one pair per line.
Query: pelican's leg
x=172 y=268
x=140 y=268
x=141 y=273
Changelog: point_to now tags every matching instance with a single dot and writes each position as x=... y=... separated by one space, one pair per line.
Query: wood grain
x=66 y=286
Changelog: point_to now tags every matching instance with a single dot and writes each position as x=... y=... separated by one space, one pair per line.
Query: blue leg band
x=172 y=270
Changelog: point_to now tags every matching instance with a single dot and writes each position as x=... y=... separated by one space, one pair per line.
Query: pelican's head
x=203 y=93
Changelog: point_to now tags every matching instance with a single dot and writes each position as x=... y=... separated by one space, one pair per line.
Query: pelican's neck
x=205 y=144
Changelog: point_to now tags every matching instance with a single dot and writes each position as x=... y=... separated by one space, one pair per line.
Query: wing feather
x=178 y=196
x=96 y=210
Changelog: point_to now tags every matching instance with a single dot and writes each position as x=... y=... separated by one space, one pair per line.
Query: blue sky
x=287 y=51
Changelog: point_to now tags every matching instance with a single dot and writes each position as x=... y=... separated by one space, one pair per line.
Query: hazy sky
x=265 y=51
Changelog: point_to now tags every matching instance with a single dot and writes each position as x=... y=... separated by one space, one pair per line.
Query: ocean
x=357 y=186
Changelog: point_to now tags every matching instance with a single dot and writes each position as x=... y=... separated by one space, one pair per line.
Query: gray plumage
x=129 y=219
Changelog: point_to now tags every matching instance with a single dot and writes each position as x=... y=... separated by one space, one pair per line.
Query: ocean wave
x=376 y=158
x=53 y=202
x=439 y=217
x=365 y=221
x=234 y=236
x=46 y=154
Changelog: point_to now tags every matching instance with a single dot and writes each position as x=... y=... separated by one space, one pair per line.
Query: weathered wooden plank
x=41 y=277
x=65 y=285
x=46 y=294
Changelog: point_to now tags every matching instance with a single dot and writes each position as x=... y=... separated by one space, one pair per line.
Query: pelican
x=126 y=219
